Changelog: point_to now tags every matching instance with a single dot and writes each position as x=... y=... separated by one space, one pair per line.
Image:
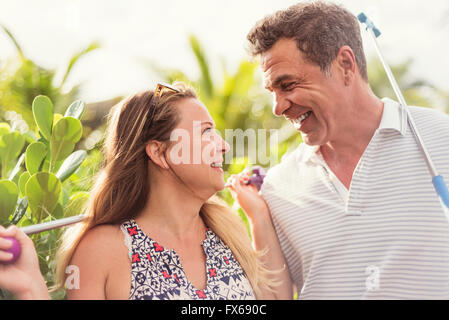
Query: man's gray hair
x=320 y=29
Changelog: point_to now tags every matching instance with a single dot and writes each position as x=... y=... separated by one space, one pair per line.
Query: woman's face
x=196 y=150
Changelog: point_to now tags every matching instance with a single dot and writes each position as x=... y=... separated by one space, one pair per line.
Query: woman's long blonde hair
x=122 y=186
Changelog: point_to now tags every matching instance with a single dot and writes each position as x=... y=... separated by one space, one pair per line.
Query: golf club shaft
x=403 y=103
x=62 y=222
x=41 y=227
x=437 y=180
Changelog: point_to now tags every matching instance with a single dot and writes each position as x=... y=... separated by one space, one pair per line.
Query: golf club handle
x=441 y=189
x=369 y=24
x=374 y=33
x=41 y=227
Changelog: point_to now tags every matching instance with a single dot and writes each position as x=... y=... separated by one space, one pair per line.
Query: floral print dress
x=157 y=273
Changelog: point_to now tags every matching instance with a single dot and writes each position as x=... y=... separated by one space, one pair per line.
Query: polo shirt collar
x=394 y=117
x=306 y=153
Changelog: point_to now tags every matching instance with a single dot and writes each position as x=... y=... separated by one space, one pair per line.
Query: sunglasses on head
x=160 y=88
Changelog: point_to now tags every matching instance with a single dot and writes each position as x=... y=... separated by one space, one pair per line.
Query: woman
x=153 y=212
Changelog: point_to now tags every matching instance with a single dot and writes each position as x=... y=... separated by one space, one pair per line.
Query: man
x=353 y=206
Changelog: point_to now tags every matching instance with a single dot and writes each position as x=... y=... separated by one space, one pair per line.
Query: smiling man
x=353 y=206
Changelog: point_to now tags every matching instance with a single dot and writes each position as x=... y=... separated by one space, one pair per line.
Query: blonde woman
x=158 y=217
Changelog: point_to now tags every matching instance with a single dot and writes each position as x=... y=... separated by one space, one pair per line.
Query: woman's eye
x=207 y=129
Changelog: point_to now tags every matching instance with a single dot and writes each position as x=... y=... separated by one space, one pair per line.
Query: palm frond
x=14 y=40
x=92 y=46
x=207 y=87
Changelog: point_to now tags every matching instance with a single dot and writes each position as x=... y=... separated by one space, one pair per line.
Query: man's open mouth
x=297 y=122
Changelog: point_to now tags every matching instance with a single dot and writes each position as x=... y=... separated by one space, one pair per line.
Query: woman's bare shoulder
x=103 y=241
x=100 y=238
x=96 y=254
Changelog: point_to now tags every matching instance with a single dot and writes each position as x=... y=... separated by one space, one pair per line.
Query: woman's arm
x=262 y=229
x=23 y=277
x=92 y=258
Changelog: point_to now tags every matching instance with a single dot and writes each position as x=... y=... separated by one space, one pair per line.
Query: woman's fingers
x=21 y=237
x=234 y=184
x=231 y=182
x=5 y=244
x=8 y=232
x=5 y=256
x=239 y=182
x=236 y=180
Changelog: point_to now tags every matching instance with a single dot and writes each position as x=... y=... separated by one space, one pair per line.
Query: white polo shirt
x=387 y=237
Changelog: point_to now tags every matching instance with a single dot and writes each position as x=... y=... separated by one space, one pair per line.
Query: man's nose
x=280 y=104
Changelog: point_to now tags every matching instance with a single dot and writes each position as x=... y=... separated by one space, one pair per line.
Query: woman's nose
x=224 y=146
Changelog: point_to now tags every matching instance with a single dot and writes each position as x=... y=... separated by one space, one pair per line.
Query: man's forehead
x=266 y=59
x=276 y=70
x=267 y=64
x=267 y=83
x=282 y=49
x=275 y=64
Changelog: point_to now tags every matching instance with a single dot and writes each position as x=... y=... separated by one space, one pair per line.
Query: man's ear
x=155 y=150
x=346 y=63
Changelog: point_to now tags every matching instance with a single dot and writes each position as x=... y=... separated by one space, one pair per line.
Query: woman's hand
x=23 y=277
x=247 y=196
x=263 y=232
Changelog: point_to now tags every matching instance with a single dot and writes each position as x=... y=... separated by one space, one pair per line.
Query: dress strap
x=128 y=241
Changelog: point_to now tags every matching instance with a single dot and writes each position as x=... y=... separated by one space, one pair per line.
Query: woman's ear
x=156 y=152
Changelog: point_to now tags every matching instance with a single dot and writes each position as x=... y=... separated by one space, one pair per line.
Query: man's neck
x=343 y=153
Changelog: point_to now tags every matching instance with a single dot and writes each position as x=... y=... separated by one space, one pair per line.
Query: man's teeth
x=216 y=165
x=297 y=122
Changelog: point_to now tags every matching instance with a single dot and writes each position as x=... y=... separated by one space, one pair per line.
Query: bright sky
x=50 y=31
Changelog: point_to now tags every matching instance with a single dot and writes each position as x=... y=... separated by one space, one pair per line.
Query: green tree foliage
x=38 y=176
x=410 y=87
x=21 y=79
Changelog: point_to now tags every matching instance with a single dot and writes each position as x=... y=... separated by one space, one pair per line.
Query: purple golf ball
x=256 y=181
x=258 y=171
x=16 y=250
x=257 y=178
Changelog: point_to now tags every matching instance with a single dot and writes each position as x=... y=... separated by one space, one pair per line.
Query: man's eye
x=287 y=86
